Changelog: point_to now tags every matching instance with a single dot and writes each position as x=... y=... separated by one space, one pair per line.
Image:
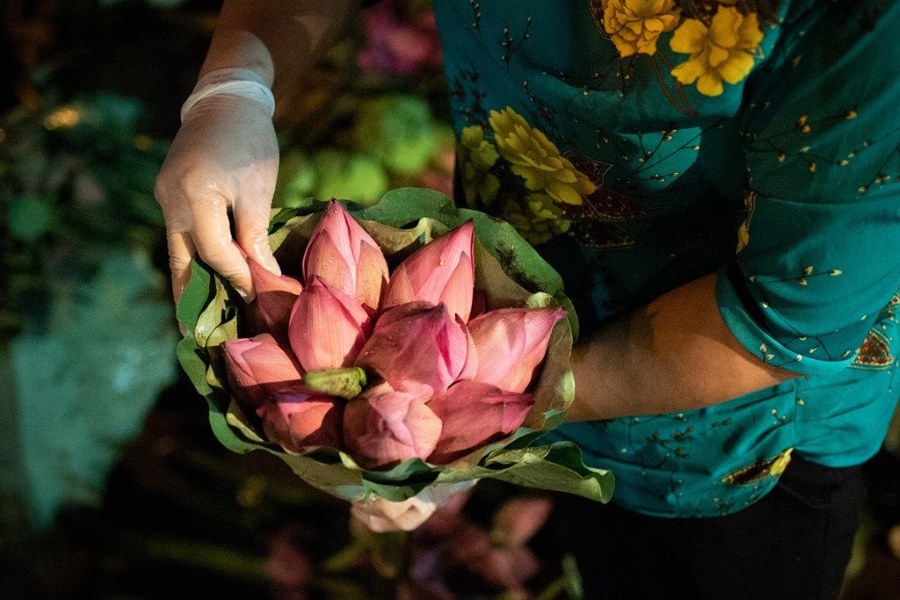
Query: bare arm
x=673 y=354
x=278 y=39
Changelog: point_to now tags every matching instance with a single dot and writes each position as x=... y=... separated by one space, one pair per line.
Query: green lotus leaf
x=195 y=296
x=557 y=467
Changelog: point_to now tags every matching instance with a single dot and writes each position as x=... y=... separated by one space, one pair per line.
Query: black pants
x=793 y=544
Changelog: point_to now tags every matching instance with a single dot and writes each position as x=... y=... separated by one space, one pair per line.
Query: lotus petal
x=416 y=347
x=275 y=296
x=327 y=328
x=342 y=254
x=511 y=343
x=298 y=420
x=474 y=414
x=257 y=367
x=383 y=427
x=442 y=271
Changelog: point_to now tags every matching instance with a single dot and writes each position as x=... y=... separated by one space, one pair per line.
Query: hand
x=223 y=159
x=383 y=515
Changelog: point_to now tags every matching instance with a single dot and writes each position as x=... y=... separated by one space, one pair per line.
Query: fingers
x=211 y=235
x=203 y=228
x=181 y=252
x=373 y=522
x=251 y=222
x=382 y=515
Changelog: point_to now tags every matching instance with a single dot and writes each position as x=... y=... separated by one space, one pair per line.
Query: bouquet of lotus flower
x=406 y=344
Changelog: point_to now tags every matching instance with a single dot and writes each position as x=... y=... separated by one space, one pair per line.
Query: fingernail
x=245 y=295
x=273 y=266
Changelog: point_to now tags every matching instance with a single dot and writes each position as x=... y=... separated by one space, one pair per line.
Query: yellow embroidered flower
x=635 y=25
x=720 y=52
x=476 y=157
x=537 y=160
x=536 y=217
x=743 y=236
x=780 y=463
x=744 y=230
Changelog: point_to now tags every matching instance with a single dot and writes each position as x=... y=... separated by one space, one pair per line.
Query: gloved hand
x=223 y=159
x=383 y=515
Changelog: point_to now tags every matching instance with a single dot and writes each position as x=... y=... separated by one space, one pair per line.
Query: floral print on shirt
x=642 y=143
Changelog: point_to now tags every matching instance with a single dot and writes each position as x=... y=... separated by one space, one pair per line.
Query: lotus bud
x=342 y=254
x=440 y=272
x=474 y=414
x=511 y=343
x=298 y=420
x=519 y=519
x=275 y=296
x=500 y=566
x=417 y=347
x=327 y=328
x=383 y=427
x=258 y=367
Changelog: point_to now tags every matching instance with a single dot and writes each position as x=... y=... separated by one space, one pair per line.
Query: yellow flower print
x=744 y=230
x=536 y=217
x=743 y=236
x=537 y=160
x=780 y=463
x=720 y=52
x=476 y=157
x=635 y=25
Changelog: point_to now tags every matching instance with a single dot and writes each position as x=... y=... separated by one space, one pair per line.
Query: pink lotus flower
x=448 y=517
x=438 y=180
x=275 y=296
x=342 y=254
x=298 y=420
x=417 y=348
x=507 y=568
x=511 y=343
x=501 y=557
x=327 y=328
x=259 y=367
x=383 y=427
x=288 y=562
x=440 y=272
x=399 y=46
x=474 y=414
x=519 y=519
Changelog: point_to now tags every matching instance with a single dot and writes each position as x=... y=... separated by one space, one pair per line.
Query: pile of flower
x=441 y=381
x=388 y=358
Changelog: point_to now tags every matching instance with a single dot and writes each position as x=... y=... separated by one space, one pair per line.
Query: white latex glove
x=223 y=159
x=383 y=515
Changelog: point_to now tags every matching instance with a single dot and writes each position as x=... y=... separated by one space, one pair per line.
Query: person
x=716 y=181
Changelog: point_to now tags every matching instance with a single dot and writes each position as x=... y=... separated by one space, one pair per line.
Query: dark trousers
x=794 y=544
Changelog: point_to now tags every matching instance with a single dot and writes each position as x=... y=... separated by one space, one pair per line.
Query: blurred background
x=111 y=483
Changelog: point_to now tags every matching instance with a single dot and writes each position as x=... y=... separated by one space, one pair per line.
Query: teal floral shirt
x=640 y=144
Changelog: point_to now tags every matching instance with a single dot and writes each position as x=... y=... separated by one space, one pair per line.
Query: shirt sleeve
x=819 y=253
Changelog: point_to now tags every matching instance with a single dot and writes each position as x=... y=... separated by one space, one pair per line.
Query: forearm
x=278 y=39
x=673 y=354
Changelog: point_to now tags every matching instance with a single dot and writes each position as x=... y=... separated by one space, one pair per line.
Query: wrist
x=232 y=81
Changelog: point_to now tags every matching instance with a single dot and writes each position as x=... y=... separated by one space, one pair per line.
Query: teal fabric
x=574 y=128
